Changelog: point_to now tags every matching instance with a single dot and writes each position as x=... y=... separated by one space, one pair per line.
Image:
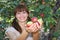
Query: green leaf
x=41 y=6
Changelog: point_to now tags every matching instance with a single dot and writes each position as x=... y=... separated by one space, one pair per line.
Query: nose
x=21 y=14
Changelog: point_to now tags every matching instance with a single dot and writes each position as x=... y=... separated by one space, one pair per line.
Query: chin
x=22 y=20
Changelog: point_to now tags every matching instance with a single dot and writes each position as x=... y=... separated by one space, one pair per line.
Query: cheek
x=17 y=16
x=26 y=15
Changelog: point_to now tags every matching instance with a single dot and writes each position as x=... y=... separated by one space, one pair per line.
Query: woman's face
x=21 y=16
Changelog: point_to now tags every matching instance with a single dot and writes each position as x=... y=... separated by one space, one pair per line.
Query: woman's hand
x=32 y=28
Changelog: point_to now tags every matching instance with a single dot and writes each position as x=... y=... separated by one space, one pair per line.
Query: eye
x=18 y=12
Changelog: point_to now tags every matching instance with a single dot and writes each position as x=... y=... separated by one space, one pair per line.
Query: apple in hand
x=38 y=25
x=29 y=24
x=34 y=19
x=40 y=20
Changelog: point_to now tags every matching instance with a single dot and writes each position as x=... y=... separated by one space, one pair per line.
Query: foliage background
x=36 y=8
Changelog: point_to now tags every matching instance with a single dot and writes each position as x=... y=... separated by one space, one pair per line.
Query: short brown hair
x=20 y=8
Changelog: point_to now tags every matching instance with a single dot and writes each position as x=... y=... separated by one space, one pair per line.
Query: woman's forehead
x=21 y=11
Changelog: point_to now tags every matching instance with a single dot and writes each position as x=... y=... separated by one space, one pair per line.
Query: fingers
x=32 y=28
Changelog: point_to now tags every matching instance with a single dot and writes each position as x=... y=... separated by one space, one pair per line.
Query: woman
x=19 y=31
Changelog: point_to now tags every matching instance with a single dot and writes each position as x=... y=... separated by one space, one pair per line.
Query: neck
x=22 y=25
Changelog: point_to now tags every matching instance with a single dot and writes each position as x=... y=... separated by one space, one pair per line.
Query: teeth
x=21 y=18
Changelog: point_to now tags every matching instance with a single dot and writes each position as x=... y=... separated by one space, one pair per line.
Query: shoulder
x=10 y=29
x=12 y=33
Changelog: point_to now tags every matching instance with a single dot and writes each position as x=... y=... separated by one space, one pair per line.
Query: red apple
x=42 y=15
x=34 y=19
x=29 y=24
x=37 y=24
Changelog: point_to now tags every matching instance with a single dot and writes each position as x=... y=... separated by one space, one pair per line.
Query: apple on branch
x=42 y=15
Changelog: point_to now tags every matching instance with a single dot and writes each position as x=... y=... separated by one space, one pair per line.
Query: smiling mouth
x=22 y=18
